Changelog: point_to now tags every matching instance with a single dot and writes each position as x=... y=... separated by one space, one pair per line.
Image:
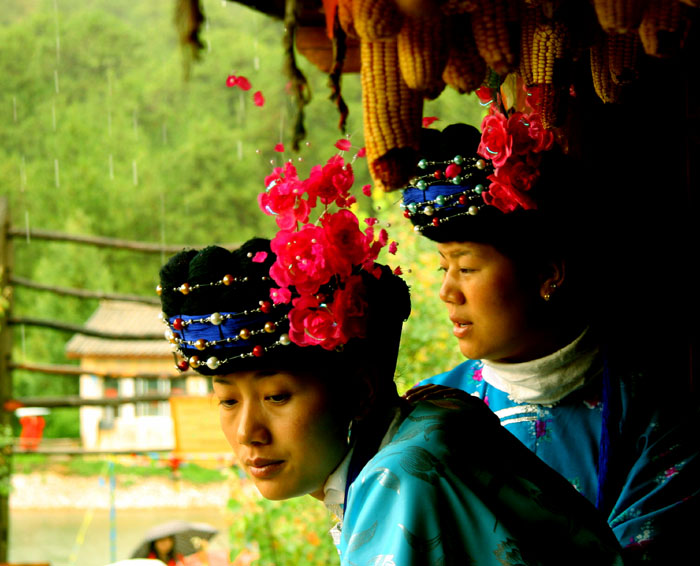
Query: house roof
x=125 y=318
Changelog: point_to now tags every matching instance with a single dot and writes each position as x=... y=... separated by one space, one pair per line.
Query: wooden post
x=6 y=435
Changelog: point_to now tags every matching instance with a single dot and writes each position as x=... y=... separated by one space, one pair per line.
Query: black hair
x=387 y=298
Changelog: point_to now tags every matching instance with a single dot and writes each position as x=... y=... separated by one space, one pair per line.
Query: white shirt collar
x=547 y=380
x=334 y=488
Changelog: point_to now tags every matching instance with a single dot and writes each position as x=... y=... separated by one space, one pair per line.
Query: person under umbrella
x=170 y=542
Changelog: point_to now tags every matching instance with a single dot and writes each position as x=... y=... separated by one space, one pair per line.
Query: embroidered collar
x=547 y=380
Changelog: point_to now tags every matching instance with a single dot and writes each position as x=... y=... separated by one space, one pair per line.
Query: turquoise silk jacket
x=452 y=487
x=618 y=446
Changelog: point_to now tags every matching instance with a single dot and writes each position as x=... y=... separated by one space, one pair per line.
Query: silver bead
x=216 y=318
x=285 y=340
x=213 y=363
x=428 y=210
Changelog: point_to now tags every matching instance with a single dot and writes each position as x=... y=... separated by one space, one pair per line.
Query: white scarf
x=547 y=380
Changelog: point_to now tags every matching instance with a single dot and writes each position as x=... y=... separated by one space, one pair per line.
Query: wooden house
x=130 y=426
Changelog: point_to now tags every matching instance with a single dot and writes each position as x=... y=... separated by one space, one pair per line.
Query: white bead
x=216 y=318
x=473 y=210
x=213 y=363
x=284 y=340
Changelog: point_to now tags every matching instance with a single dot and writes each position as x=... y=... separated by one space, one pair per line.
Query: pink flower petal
x=259 y=257
x=398 y=271
x=371 y=221
x=258 y=98
x=393 y=247
x=429 y=120
x=243 y=83
x=279 y=147
x=231 y=81
x=343 y=144
x=367 y=190
x=362 y=152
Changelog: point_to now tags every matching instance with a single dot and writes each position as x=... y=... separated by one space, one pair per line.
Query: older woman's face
x=491 y=310
x=286 y=429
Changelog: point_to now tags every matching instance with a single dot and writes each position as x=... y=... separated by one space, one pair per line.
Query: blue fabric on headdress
x=229 y=328
x=413 y=195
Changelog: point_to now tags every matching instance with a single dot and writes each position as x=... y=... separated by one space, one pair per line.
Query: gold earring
x=548 y=296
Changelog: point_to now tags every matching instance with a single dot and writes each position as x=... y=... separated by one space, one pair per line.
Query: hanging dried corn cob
x=623 y=56
x=376 y=19
x=495 y=33
x=531 y=16
x=548 y=48
x=345 y=18
x=423 y=48
x=603 y=84
x=662 y=30
x=549 y=45
x=392 y=115
x=619 y=16
x=465 y=70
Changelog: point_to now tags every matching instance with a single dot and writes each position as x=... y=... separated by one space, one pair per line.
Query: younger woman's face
x=287 y=429
x=491 y=309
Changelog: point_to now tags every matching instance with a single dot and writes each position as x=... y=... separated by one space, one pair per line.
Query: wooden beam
x=101 y=241
x=82 y=293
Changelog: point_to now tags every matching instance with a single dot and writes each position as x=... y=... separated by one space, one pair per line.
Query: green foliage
x=193 y=473
x=27 y=463
x=281 y=533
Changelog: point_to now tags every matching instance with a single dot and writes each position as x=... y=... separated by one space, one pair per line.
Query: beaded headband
x=226 y=280
x=429 y=200
x=215 y=339
x=225 y=332
x=499 y=177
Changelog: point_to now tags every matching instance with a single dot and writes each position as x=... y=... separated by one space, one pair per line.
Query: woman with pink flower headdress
x=300 y=335
x=521 y=275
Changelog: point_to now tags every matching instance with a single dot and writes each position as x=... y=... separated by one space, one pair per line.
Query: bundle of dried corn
x=495 y=25
x=465 y=70
x=663 y=28
x=423 y=45
x=392 y=115
x=619 y=16
x=376 y=19
x=606 y=89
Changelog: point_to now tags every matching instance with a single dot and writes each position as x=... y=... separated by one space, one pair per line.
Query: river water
x=54 y=535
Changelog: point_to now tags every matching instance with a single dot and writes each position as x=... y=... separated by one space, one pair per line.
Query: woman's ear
x=552 y=278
